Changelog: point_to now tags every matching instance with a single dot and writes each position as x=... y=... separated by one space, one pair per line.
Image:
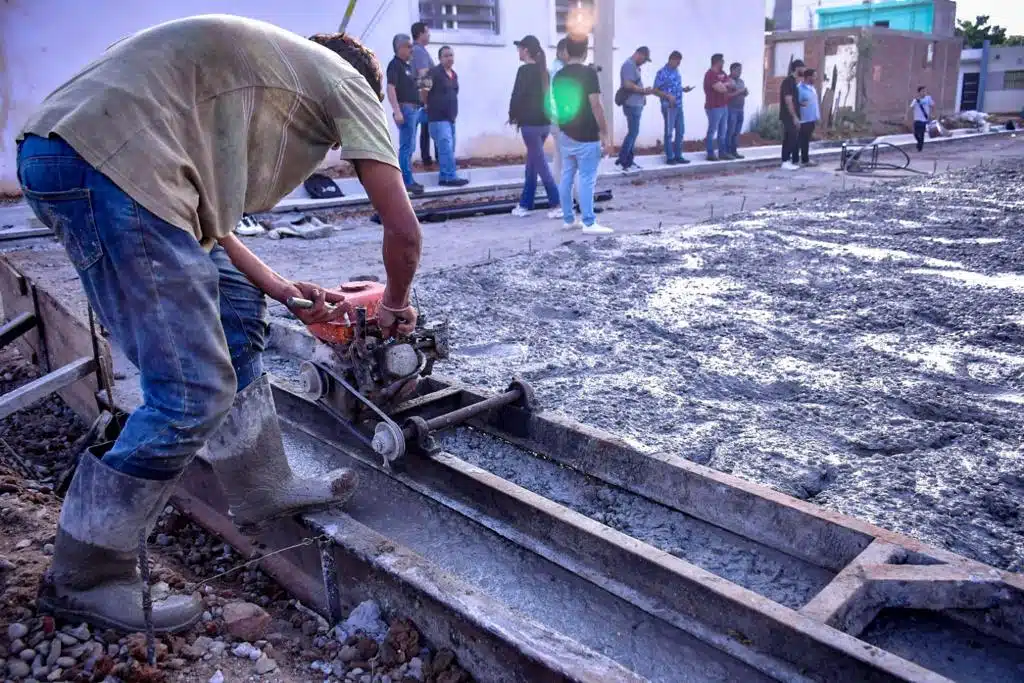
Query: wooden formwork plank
x=58 y=380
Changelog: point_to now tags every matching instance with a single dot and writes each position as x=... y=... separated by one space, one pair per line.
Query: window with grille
x=574 y=13
x=469 y=15
x=1013 y=80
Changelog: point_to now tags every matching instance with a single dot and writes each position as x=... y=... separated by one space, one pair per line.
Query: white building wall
x=44 y=42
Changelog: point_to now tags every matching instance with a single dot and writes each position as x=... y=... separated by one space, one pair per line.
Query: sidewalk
x=511 y=177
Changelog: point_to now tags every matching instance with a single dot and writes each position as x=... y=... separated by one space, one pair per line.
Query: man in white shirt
x=923 y=106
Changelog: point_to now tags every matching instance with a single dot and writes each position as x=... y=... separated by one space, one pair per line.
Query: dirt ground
x=291 y=644
x=860 y=350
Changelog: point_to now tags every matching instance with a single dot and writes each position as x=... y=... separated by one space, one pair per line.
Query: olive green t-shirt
x=204 y=118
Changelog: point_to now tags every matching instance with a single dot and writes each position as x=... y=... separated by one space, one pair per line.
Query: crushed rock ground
x=861 y=351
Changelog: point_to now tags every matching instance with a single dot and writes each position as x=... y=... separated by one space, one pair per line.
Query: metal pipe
x=457 y=417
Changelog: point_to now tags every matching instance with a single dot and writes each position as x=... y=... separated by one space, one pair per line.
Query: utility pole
x=348 y=16
x=604 y=57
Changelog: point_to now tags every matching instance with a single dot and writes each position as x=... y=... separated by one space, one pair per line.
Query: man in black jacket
x=442 y=109
x=789 y=113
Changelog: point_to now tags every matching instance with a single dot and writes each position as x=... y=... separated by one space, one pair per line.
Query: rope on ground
x=855 y=164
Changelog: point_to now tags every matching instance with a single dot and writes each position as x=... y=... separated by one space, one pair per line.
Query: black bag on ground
x=320 y=186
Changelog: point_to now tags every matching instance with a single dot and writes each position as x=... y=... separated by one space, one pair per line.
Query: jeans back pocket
x=69 y=214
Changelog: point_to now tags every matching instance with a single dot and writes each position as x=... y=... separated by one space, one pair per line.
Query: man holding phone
x=668 y=86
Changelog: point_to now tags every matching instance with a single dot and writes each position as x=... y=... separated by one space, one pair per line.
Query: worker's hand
x=671 y=100
x=327 y=306
x=607 y=147
x=399 y=117
x=395 y=322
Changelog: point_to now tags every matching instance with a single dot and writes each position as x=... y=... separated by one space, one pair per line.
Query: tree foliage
x=976 y=32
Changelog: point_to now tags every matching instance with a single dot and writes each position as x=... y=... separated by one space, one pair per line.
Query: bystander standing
x=810 y=113
x=422 y=63
x=583 y=132
x=789 y=114
x=528 y=109
x=668 y=84
x=737 y=102
x=404 y=98
x=923 y=108
x=716 y=104
x=442 y=110
x=633 y=107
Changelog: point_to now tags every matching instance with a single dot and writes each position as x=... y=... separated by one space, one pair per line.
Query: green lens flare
x=568 y=96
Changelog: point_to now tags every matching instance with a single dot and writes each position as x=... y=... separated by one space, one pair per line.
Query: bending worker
x=142 y=164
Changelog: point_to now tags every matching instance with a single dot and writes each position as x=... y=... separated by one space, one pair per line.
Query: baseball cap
x=645 y=51
x=529 y=42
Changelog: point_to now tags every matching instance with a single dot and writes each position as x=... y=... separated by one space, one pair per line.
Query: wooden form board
x=59 y=338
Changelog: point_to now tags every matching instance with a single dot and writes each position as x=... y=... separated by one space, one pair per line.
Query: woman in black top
x=528 y=110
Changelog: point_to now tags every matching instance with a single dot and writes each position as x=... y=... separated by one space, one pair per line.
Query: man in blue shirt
x=810 y=112
x=668 y=85
x=633 y=108
x=923 y=107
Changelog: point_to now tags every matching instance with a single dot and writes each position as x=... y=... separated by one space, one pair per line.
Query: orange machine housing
x=358 y=294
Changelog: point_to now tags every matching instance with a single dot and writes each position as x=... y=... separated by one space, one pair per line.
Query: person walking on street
x=583 y=134
x=737 y=101
x=789 y=114
x=923 y=108
x=528 y=110
x=633 y=107
x=145 y=203
x=669 y=86
x=422 y=63
x=404 y=98
x=716 y=104
x=810 y=113
x=442 y=108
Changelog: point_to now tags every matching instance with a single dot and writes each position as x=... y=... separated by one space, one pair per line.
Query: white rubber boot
x=247 y=454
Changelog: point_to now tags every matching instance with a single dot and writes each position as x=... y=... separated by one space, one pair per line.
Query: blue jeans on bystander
x=537 y=165
x=443 y=134
x=407 y=141
x=628 y=149
x=733 y=130
x=718 y=122
x=674 y=130
x=192 y=324
x=583 y=157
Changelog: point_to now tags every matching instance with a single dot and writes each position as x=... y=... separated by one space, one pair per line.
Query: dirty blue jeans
x=537 y=165
x=443 y=134
x=188 y=320
x=674 y=129
x=628 y=149
x=407 y=140
x=585 y=158
x=718 y=124
x=733 y=129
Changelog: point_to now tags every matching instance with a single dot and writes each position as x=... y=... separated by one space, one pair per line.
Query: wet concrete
x=777 y=576
x=861 y=351
x=523 y=580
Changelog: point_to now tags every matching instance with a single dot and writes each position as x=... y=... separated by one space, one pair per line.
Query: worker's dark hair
x=717 y=57
x=355 y=53
x=577 y=47
x=735 y=65
x=920 y=88
x=441 y=51
x=418 y=29
x=561 y=45
x=809 y=72
x=676 y=54
x=795 y=64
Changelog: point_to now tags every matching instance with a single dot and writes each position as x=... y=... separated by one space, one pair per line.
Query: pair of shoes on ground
x=94 y=576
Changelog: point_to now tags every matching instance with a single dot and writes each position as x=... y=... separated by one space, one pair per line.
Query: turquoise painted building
x=900 y=15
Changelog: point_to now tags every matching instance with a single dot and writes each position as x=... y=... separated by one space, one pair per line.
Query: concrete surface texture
x=31 y=65
x=860 y=350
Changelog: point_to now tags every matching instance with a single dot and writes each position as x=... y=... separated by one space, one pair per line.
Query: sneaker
x=596 y=229
x=414 y=188
x=736 y=155
x=682 y=160
x=454 y=182
x=809 y=163
x=572 y=226
x=635 y=167
x=726 y=157
x=712 y=157
x=555 y=212
x=521 y=211
x=789 y=166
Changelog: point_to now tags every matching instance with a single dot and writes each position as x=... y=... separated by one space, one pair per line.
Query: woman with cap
x=528 y=110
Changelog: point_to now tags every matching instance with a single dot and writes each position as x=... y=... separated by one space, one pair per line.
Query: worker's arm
x=281 y=289
x=402 y=240
x=602 y=124
x=395 y=106
x=791 y=107
x=718 y=86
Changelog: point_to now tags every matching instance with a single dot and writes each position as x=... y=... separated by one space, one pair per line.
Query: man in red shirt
x=716 y=104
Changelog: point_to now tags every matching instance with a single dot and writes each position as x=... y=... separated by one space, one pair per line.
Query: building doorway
x=969 y=92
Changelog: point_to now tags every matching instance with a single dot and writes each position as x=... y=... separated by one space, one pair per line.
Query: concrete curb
x=706 y=168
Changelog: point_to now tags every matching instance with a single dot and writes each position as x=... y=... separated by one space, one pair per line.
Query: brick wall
x=898 y=64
